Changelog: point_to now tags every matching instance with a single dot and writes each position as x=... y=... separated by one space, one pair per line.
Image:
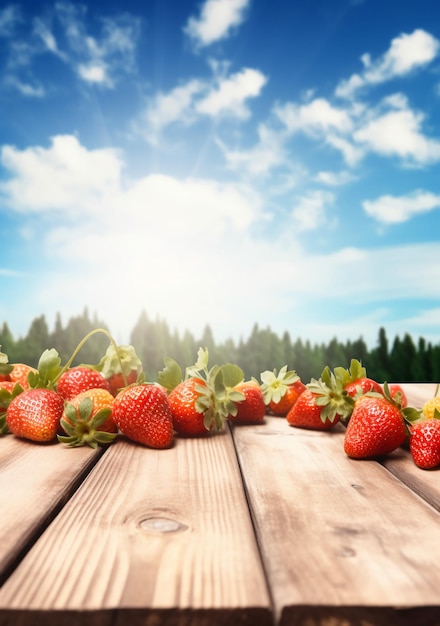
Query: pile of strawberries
x=93 y=404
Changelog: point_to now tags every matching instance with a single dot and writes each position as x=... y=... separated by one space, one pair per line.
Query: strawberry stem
x=83 y=342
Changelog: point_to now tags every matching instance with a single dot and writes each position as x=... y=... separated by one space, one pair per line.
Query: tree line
x=399 y=360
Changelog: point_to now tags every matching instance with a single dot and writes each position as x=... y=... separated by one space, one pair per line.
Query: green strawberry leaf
x=232 y=374
x=171 y=375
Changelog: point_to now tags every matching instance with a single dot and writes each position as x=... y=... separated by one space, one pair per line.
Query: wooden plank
x=425 y=483
x=343 y=541
x=35 y=481
x=152 y=536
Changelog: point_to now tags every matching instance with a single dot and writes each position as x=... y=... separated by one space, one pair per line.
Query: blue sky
x=223 y=162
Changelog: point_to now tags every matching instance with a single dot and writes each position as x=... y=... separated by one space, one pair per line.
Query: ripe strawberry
x=121 y=367
x=281 y=391
x=142 y=413
x=187 y=411
x=35 y=414
x=252 y=408
x=19 y=374
x=78 y=379
x=307 y=413
x=398 y=394
x=376 y=427
x=424 y=442
x=362 y=385
x=87 y=419
x=205 y=399
x=117 y=382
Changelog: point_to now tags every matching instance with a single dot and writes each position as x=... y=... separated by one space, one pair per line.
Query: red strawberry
x=78 y=379
x=19 y=374
x=121 y=366
x=142 y=413
x=281 y=391
x=362 y=385
x=376 y=427
x=401 y=399
x=424 y=442
x=35 y=414
x=186 y=408
x=251 y=408
x=205 y=399
x=88 y=419
x=307 y=413
x=117 y=382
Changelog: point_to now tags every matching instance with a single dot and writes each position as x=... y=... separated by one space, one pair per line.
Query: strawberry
x=142 y=414
x=398 y=394
x=35 y=414
x=355 y=381
x=376 y=428
x=252 y=408
x=362 y=385
x=78 y=379
x=307 y=413
x=120 y=366
x=87 y=419
x=281 y=391
x=187 y=407
x=19 y=374
x=424 y=442
x=205 y=399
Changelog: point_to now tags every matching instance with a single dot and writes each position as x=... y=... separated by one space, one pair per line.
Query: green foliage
x=405 y=361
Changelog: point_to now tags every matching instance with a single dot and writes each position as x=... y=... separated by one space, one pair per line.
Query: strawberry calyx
x=123 y=360
x=81 y=425
x=354 y=372
x=217 y=397
x=274 y=386
x=331 y=396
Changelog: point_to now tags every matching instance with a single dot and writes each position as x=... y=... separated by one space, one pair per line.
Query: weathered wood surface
x=150 y=535
x=261 y=525
x=343 y=542
x=36 y=480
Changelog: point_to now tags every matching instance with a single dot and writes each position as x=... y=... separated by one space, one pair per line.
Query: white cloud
x=317 y=116
x=389 y=209
x=405 y=54
x=398 y=133
x=266 y=154
x=167 y=108
x=216 y=21
x=222 y=96
x=95 y=73
x=230 y=95
x=334 y=179
x=9 y=17
x=25 y=88
x=100 y=60
x=64 y=177
x=311 y=212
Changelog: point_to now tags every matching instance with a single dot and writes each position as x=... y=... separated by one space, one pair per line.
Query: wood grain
x=149 y=535
x=343 y=541
x=36 y=480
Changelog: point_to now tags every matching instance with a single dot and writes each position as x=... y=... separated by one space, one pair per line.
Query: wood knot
x=162 y=525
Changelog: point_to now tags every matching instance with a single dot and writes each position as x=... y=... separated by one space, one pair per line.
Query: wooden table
x=259 y=525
